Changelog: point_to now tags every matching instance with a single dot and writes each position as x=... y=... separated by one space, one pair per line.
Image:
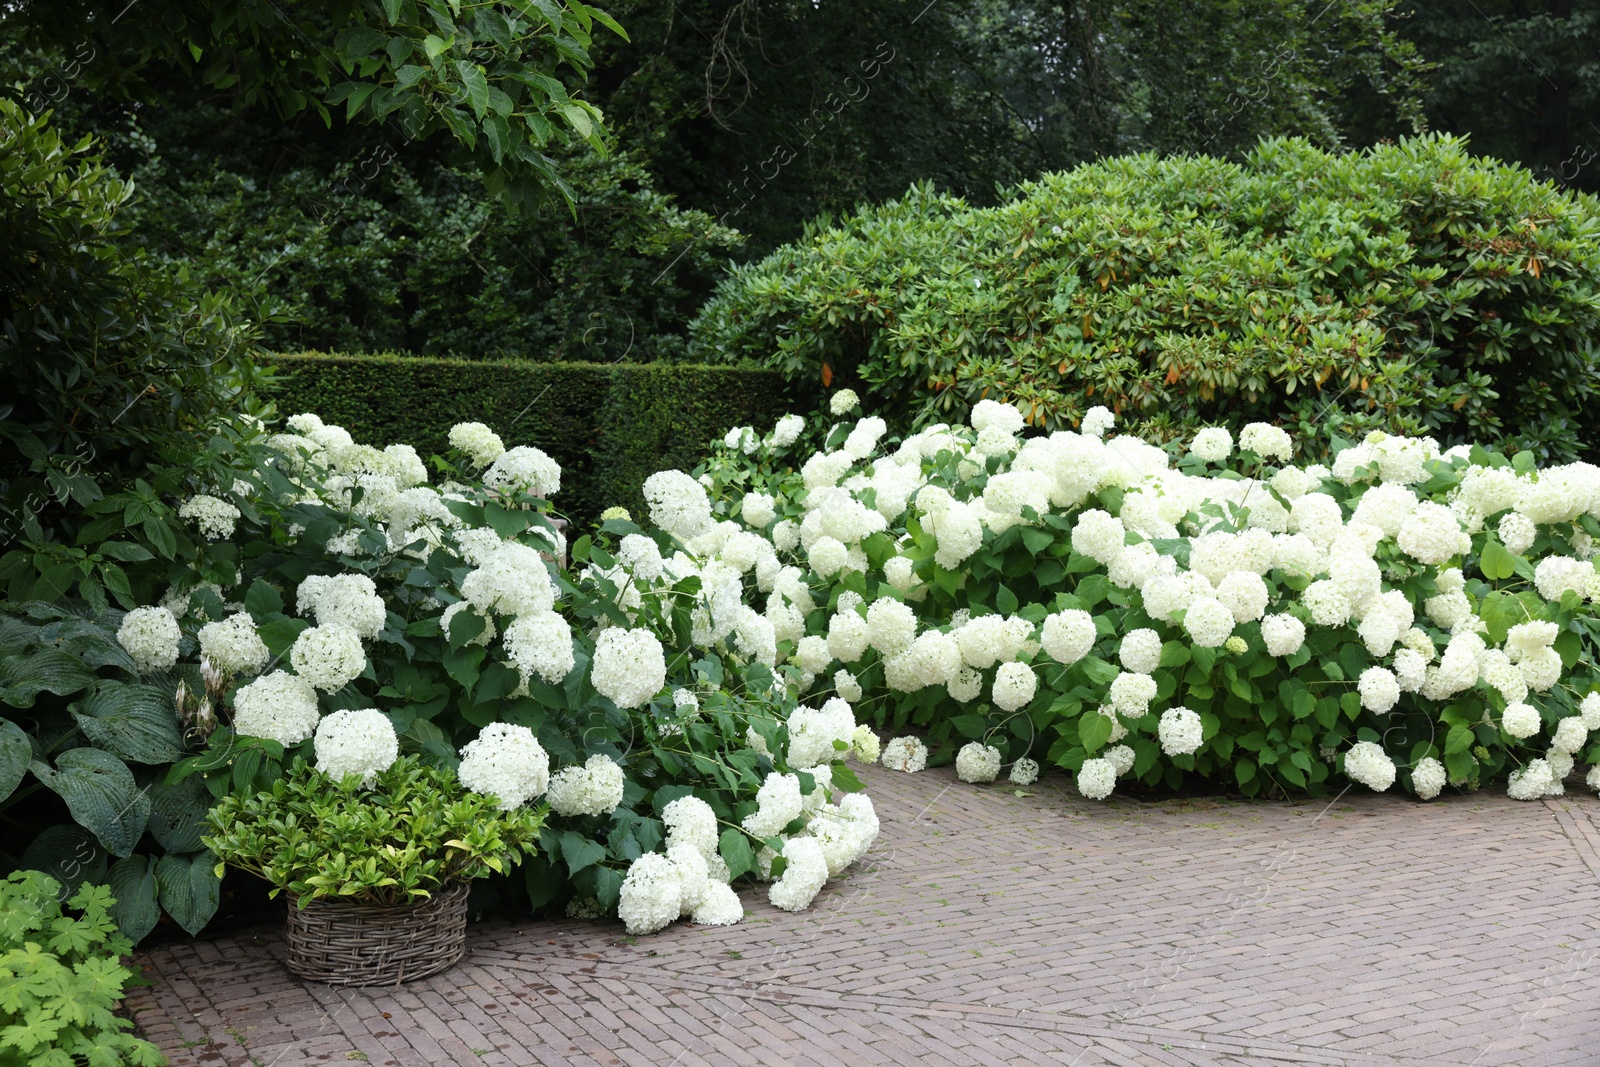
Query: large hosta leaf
x=92 y=642
x=133 y=883
x=68 y=853
x=136 y=722
x=14 y=755
x=25 y=675
x=177 y=813
x=189 y=887
x=101 y=794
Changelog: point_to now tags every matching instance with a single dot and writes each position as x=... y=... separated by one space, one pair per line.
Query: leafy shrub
x=1411 y=288
x=413 y=831
x=1406 y=615
x=609 y=426
x=106 y=361
x=62 y=977
x=320 y=575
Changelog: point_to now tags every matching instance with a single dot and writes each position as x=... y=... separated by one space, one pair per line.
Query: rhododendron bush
x=318 y=598
x=1408 y=618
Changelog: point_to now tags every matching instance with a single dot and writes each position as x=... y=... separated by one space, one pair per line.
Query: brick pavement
x=992 y=928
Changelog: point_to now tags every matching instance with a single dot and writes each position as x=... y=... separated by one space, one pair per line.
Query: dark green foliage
x=105 y=358
x=1410 y=287
x=489 y=78
x=1518 y=78
x=610 y=426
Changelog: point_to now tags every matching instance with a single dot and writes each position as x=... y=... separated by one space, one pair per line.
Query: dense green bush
x=1411 y=287
x=106 y=360
x=610 y=426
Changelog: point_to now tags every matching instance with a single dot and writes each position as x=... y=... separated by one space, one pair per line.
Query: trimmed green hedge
x=610 y=426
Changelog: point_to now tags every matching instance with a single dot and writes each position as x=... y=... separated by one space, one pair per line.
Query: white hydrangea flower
x=1025 y=771
x=813 y=732
x=966 y=685
x=804 y=874
x=629 y=666
x=1589 y=711
x=977 y=762
x=678 y=504
x=592 y=789
x=1592 y=780
x=907 y=754
x=1181 y=731
x=507 y=762
x=1520 y=721
x=787 y=431
x=1098 y=535
x=280 y=707
x=652 y=894
x=1122 y=758
x=481 y=444
x=719 y=907
x=150 y=637
x=690 y=821
x=328 y=657
x=757 y=509
x=1096 y=421
x=1571 y=735
x=1541 y=669
x=1097 y=778
x=511 y=579
x=1067 y=636
x=1327 y=605
x=1283 y=634
x=891 y=626
x=843 y=402
x=1140 y=651
x=1213 y=444
x=847 y=636
x=1428 y=778
x=361 y=742
x=1531 y=782
x=846 y=684
x=778 y=804
x=1014 y=685
x=1130 y=694
x=864 y=744
x=343 y=600
x=1208 y=621
x=1245 y=594
x=1379 y=689
x=1266 y=441
x=1517 y=532
x=524 y=469
x=213 y=517
x=233 y=646
x=1366 y=762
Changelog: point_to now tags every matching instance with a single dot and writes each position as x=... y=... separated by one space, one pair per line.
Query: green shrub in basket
x=394 y=837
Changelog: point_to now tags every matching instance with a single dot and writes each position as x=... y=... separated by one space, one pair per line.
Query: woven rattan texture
x=360 y=945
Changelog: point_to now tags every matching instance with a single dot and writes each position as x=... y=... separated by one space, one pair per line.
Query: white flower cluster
x=213 y=517
x=592 y=789
x=481 y=444
x=907 y=754
x=629 y=666
x=507 y=762
x=280 y=706
x=150 y=636
x=328 y=657
x=524 y=469
x=350 y=600
x=361 y=742
x=233 y=646
x=977 y=762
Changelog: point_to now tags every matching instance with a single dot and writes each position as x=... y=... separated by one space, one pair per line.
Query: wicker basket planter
x=362 y=944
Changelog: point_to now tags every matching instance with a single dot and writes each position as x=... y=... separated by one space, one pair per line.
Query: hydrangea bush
x=342 y=604
x=1134 y=613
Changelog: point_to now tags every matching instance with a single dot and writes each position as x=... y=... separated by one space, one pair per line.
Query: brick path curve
x=989 y=928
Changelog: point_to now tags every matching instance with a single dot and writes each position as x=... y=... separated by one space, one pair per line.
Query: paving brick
x=987 y=928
